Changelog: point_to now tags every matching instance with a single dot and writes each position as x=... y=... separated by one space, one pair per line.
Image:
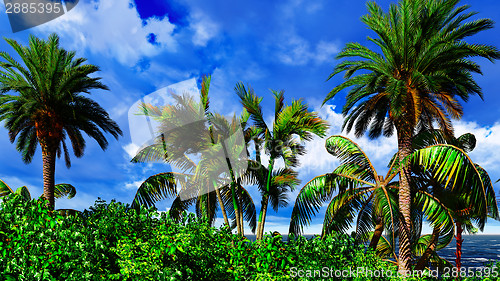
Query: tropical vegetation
x=422 y=67
x=414 y=79
x=448 y=188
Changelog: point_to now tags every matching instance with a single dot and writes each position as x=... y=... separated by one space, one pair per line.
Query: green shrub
x=113 y=242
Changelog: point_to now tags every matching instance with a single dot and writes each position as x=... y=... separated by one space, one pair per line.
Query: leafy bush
x=113 y=242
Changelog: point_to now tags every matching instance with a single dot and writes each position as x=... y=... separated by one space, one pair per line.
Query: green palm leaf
x=311 y=198
x=64 y=189
x=5 y=189
x=439 y=216
x=349 y=152
x=24 y=192
x=155 y=188
x=453 y=169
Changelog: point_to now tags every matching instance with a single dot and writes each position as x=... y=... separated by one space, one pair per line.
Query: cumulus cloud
x=487 y=150
x=133 y=185
x=80 y=202
x=204 y=28
x=295 y=50
x=318 y=161
x=112 y=28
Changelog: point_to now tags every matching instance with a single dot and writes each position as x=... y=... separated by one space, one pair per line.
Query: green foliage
x=115 y=242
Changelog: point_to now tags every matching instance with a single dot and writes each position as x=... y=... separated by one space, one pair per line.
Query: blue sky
x=144 y=46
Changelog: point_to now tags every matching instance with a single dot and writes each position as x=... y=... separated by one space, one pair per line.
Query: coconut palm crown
x=50 y=106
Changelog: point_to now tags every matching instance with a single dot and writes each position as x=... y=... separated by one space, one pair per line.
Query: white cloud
x=325 y=51
x=80 y=202
x=133 y=185
x=204 y=28
x=318 y=161
x=131 y=149
x=112 y=28
x=295 y=50
x=487 y=150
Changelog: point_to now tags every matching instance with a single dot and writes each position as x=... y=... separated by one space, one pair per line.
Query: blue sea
x=477 y=250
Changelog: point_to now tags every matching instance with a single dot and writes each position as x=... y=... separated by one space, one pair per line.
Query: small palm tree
x=60 y=190
x=280 y=140
x=440 y=171
x=49 y=106
x=463 y=206
x=362 y=193
x=422 y=70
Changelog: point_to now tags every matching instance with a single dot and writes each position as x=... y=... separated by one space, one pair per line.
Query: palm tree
x=423 y=68
x=362 y=192
x=50 y=106
x=280 y=140
x=60 y=190
x=446 y=173
x=189 y=128
x=441 y=173
x=462 y=205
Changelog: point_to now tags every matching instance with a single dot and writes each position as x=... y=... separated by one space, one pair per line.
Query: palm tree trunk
x=458 y=253
x=265 y=202
x=431 y=248
x=262 y=217
x=240 y=203
x=236 y=209
x=49 y=169
x=404 y=149
x=233 y=193
x=379 y=229
x=221 y=204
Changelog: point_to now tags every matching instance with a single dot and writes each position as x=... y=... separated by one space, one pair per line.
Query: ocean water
x=477 y=250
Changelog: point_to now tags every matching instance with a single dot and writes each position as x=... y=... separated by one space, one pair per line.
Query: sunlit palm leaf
x=342 y=210
x=310 y=199
x=64 y=189
x=490 y=195
x=24 y=192
x=453 y=169
x=349 y=152
x=438 y=215
x=5 y=189
x=150 y=153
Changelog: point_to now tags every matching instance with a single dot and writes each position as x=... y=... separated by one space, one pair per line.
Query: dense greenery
x=415 y=81
x=115 y=242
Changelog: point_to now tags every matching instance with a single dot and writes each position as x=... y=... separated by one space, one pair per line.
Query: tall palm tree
x=50 y=105
x=423 y=68
x=280 y=141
